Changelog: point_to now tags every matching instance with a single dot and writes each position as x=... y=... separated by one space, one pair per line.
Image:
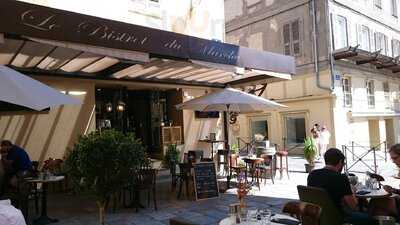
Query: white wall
x=362 y=12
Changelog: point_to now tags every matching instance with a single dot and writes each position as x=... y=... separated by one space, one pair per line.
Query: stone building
x=347 y=67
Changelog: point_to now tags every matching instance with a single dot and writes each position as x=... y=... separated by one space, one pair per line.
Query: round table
x=380 y=193
x=227 y=221
x=44 y=219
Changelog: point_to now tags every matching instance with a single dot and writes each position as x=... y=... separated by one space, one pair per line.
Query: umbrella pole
x=226 y=137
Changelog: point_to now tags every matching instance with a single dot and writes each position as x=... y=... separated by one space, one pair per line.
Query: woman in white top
x=324 y=137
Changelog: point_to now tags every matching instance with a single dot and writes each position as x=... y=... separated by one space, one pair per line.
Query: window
x=295 y=125
x=370 y=93
x=340 y=34
x=381 y=43
x=394 y=8
x=363 y=37
x=259 y=125
x=386 y=93
x=291 y=38
x=378 y=4
x=395 y=48
x=347 y=97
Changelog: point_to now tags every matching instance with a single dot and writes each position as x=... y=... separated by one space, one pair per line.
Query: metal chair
x=267 y=167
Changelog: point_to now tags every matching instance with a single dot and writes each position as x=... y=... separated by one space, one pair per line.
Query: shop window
x=340 y=34
x=347 y=95
x=370 y=93
x=295 y=128
x=291 y=38
x=259 y=125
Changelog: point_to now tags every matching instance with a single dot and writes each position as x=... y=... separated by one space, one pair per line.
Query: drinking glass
x=266 y=216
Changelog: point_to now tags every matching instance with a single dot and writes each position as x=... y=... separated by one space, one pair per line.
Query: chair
x=184 y=176
x=235 y=167
x=195 y=156
x=146 y=181
x=307 y=213
x=330 y=214
x=179 y=221
x=282 y=155
x=222 y=159
x=267 y=167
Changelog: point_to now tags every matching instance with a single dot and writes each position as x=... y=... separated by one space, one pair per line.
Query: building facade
x=129 y=63
x=344 y=79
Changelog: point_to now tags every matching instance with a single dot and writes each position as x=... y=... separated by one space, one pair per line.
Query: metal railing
x=354 y=148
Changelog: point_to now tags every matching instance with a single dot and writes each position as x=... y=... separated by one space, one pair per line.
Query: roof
x=44 y=40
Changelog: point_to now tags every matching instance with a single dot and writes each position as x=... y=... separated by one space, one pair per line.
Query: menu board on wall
x=205 y=180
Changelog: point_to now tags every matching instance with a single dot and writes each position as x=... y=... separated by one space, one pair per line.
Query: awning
x=360 y=57
x=39 y=39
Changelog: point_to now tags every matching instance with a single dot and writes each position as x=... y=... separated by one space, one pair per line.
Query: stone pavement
x=78 y=210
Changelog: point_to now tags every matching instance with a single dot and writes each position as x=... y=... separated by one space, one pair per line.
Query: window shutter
x=286 y=39
x=296 y=37
x=394 y=8
x=385 y=39
x=359 y=35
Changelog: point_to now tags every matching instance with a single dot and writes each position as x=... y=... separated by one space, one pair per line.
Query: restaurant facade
x=128 y=77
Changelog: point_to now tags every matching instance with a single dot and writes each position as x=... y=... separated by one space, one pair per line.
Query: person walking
x=324 y=138
x=315 y=133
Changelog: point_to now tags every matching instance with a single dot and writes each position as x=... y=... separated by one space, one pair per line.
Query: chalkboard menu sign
x=205 y=180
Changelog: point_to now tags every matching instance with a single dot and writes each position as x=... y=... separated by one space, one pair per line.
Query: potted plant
x=234 y=149
x=310 y=151
x=171 y=157
x=101 y=164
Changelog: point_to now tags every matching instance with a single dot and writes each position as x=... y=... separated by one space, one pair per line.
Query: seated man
x=338 y=187
x=15 y=161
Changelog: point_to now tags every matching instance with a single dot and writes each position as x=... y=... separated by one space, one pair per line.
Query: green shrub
x=101 y=164
x=171 y=156
x=310 y=150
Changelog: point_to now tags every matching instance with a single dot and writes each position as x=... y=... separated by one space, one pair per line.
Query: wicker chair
x=307 y=213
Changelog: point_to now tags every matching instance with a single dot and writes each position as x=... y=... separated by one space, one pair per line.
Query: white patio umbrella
x=230 y=100
x=19 y=89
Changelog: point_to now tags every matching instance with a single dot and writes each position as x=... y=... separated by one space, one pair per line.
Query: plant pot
x=309 y=167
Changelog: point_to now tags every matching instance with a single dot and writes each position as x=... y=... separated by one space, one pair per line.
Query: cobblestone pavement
x=77 y=210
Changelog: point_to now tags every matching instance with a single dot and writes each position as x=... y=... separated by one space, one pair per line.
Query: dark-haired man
x=15 y=161
x=338 y=187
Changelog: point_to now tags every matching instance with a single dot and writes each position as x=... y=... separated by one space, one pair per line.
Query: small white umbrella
x=19 y=89
x=230 y=100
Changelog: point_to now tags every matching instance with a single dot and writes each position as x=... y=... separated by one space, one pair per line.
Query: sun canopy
x=46 y=41
x=231 y=100
x=19 y=89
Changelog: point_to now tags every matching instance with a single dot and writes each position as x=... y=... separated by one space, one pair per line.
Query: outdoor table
x=212 y=142
x=44 y=219
x=374 y=194
x=251 y=163
x=227 y=221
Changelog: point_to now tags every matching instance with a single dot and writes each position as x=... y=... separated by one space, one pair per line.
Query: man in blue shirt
x=15 y=161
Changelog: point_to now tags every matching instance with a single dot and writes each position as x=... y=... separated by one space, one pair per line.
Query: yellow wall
x=50 y=134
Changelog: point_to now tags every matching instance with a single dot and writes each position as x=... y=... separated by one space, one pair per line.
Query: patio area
x=77 y=210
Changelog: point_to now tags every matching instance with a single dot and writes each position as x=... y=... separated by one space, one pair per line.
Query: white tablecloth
x=10 y=215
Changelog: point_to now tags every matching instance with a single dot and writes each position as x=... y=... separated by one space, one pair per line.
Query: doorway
x=374 y=135
x=389 y=125
x=145 y=112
